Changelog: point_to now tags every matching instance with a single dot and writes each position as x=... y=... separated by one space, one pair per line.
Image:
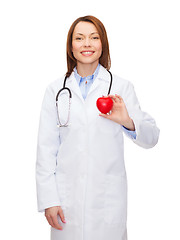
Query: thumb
x=104 y=115
x=61 y=214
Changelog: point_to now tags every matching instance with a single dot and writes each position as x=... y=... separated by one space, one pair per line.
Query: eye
x=78 y=38
x=96 y=37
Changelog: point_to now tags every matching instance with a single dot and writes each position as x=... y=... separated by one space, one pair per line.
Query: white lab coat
x=81 y=167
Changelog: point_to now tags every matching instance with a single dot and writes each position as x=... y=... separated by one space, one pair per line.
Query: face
x=86 y=43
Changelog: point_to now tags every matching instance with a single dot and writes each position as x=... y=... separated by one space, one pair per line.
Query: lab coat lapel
x=98 y=88
x=73 y=85
x=101 y=78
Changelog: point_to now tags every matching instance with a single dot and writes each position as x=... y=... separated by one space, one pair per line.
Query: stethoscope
x=70 y=97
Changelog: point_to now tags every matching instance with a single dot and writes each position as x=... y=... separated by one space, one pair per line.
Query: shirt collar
x=90 y=77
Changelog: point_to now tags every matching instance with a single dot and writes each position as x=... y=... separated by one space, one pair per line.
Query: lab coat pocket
x=116 y=200
x=65 y=190
x=64 y=132
x=61 y=185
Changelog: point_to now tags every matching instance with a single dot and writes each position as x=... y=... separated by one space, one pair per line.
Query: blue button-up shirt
x=85 y=84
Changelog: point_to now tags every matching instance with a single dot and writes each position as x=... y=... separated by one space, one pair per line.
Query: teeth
x=87 y=52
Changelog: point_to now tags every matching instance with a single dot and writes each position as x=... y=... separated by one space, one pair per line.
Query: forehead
x=85 y=28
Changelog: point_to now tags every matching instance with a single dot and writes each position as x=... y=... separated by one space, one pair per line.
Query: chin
x=88 y=61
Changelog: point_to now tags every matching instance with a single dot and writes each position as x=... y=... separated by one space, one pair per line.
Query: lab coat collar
x=103 y=76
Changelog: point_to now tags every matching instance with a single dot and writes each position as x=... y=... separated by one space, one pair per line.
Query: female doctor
x=80 y=172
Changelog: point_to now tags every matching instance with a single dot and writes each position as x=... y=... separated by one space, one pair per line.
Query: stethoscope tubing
x=70 y=96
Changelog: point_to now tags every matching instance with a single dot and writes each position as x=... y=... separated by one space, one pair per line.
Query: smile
x=87 y=53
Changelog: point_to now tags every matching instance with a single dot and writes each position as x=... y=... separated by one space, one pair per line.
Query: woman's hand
x=51 y=216
x=119 y=113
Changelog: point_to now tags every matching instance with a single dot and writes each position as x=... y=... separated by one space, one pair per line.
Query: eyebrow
x=90 y=34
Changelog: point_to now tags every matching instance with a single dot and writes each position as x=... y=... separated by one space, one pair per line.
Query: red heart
x=104 y=104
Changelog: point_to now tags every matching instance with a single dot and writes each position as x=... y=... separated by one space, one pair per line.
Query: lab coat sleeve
x=147 y=133
x=131 y=134
x=47 y=149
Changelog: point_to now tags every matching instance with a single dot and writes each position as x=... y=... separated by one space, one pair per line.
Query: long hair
x=104 y=60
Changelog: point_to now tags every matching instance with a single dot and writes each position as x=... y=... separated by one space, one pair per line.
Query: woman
x=80 y=172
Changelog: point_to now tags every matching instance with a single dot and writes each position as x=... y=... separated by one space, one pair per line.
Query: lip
x=87 y=53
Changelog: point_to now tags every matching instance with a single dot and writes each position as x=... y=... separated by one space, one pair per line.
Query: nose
x=87 y=42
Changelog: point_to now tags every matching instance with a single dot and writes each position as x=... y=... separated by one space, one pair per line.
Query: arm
x=126 y=111
x=147 y=133
x=47 y=149
x=130 y=133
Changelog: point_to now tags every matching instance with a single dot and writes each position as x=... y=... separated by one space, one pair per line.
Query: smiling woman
x=87 y=37
x=86 y=47
x=81 y=174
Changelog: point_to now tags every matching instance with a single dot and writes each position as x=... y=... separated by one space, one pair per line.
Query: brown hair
x=104 y=60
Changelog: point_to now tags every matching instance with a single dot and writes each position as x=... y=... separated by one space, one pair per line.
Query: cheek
x=99 y=47
x=75 y=47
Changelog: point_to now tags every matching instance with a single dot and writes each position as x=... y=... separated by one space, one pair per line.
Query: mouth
x=87 y=53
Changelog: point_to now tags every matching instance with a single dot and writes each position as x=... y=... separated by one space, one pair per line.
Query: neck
x=85 y=69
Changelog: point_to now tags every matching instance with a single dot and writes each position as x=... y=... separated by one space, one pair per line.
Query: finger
x=103 y=115
x=61 y=214
x=114 y=98
x=50 y=221
x=119 y=97
x=55 y=223
x=111 y=96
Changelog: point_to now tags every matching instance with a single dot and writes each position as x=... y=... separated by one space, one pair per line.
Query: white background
x=145 y=49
